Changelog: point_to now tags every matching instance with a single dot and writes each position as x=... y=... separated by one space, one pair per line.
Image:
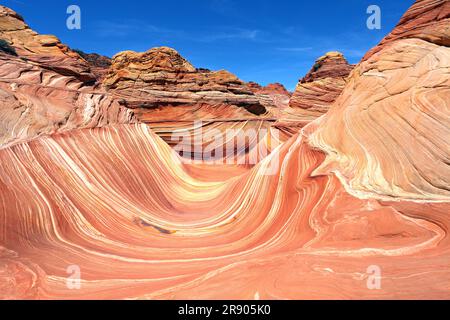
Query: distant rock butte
x=99 y=64
x=315 y=92
x=271 y=88
x=276 y=91
x=321 y=85
x=162 y=77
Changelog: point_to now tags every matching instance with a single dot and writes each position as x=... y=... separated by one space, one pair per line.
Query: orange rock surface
x=162 y=77
x=316 y=91
x=276 y=91
x=45 y=87
x=164 y=233
x=165 y=91
x=426 y=20
x=45 y=50
x=386 y=136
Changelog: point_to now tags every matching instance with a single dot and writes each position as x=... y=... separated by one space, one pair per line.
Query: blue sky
x=258 y=40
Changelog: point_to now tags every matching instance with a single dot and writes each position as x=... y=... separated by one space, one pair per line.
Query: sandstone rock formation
x=99 y=64
x=271 y=88
x=162 y=77
x=35 y=101
x=426 y=20
x=387 y=134
x=321 y=85
x=280 y=96
x=44 y=50
x=315 y=93
x=167 y=92
x=119 y=197
x=45 y=87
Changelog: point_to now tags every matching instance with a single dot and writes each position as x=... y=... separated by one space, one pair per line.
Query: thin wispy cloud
x=130 y=28
x=296 y=49
x=233 y=33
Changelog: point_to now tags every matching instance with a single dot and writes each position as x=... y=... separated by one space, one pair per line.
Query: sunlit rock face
x=387 y=134
x=271 y=88
x=353 y=206
x=44 y=50
x=162 y=77
x=320 y=87
x=315 y=92
x=36 y=101
x=45 y=87
x=426 y=20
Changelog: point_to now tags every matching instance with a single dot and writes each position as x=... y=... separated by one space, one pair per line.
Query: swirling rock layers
x=165 y=91
x=426 y=20
x=387 y=134
x=36 y=101
x=45 y=87
x=166 y=233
